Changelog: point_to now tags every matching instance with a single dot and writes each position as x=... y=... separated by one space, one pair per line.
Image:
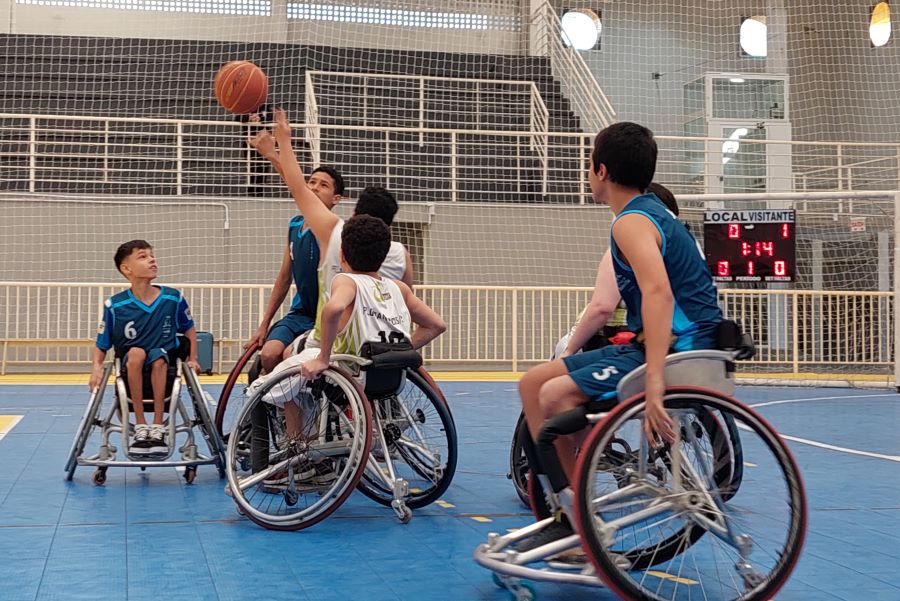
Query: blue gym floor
x=149 y=536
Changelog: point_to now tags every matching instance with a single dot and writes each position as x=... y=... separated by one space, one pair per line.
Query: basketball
x=241 y=87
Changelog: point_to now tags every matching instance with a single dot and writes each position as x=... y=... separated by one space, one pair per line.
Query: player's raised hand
x=263 y=142
x=282 y=126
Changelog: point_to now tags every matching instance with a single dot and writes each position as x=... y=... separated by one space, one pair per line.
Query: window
x=753 y=37
x=880 y=24
x=260 y=8
x=401 y=18
x=581 y=29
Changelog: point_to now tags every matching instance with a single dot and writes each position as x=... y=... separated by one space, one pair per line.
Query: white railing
x=490 y=327
x=424 y=103
x=580 y=86
x=101 y=155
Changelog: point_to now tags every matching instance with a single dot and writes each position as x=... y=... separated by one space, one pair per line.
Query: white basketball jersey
x=393 y=267
x=379 y=315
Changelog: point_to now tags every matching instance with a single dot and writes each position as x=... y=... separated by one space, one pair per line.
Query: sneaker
x=158 y=439
x=141 y=443
x=558 y=529
x=280 y=479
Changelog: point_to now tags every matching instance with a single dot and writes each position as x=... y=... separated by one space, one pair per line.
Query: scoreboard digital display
x=750 y=246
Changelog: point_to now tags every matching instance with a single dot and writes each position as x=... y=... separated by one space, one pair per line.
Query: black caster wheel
x=99 y=477
x=190 y=473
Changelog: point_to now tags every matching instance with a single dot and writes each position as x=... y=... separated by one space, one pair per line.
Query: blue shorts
x=289 y=327
x=597 y=372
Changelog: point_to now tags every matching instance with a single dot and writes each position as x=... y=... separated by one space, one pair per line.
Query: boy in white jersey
x=325 y=225
x=363 y=306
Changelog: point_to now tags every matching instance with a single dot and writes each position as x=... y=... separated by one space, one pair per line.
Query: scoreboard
x=750 y=246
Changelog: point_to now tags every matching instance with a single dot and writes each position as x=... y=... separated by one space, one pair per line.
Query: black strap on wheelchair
x=390 y=355
x=730 y=337
x=570 y=422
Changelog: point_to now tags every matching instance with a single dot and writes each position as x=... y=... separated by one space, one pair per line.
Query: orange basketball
x=241 y=87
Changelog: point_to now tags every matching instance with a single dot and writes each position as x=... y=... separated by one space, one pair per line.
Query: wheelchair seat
x=706 y=368
x=389 y=362
x=181 y=353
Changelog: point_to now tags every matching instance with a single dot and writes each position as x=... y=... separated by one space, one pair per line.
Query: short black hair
x=336 y=177
x=124 y=251
x=665 y=195
x=629 y=152
x=377 y=202
x=365 y=242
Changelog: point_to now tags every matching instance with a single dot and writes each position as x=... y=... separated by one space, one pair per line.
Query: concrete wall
x=52 y=240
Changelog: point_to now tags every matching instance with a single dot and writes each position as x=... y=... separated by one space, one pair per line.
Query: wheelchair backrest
x=389 y=362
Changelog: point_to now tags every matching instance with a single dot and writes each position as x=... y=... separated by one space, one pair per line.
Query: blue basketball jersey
x=696 y=313
x=128 y=322
x=304 y=251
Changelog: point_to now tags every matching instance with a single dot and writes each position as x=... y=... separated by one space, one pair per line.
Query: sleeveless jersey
x=696 y=312
x=393 y=267
x=127 y=322
x=304 y=251
x=379 y=314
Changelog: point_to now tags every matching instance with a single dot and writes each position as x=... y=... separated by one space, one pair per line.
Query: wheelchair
x=179 y=421
x=393 y=438
x=677 y=521
x=518 y=463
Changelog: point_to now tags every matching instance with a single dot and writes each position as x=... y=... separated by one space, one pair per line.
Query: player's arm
x=192 y=362
x=343 y=294
x=104 y=343
x=429 y=325
x=279 y=291
x=184 y=325
x=408 y=272
x=639 y=241
x=603 y=304
x=320 y=219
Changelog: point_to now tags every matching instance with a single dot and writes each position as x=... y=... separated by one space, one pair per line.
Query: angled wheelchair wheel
x=86 y=425
x=307 y=476
x=205 y=422
x=675 y=509
x=518 y=462
x=421 y=443
x=231 y=397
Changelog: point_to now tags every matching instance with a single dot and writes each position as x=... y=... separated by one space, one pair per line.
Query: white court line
x=890 y=396
x=831 y=447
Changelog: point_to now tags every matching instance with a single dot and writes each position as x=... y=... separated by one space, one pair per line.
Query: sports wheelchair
x=392 y=437
x=718 y=514
x=115 y=419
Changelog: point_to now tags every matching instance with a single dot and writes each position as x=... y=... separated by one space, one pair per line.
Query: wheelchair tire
x=84 y=428
x=224 y=396
x=519 y=469
x=429 y=397
x=344 y=444
x=627 y=578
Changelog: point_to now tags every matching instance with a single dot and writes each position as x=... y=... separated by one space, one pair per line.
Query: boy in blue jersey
x=142 y=323
x=300 y=263
x=668 y=292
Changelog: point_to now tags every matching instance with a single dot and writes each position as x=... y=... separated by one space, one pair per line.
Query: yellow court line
x=451 y=376
x=7 y=423
x=677 y=579
x=444 y=504
x=481 y=519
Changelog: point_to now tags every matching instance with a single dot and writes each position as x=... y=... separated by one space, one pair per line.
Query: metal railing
x=579 y=85
x=490 y=327
x=102 y=155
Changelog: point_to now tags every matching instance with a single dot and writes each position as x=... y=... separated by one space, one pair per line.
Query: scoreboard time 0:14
x=750 y=246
